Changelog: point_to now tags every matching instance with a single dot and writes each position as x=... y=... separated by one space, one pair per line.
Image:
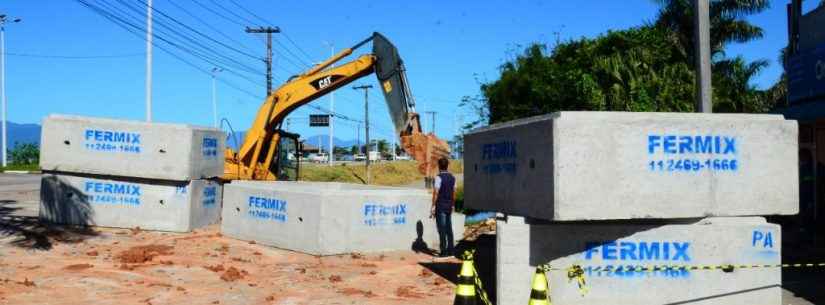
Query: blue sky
x=448 y=47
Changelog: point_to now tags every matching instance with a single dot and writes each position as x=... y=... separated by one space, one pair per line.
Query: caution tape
x=576 y=272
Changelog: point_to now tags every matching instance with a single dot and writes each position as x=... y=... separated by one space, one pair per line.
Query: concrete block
x=330 y=218
x=521 y=246
x=148 y=204
x=131 y=148
x=618 y=165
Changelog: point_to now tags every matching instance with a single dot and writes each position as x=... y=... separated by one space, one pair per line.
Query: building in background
x=805 y=68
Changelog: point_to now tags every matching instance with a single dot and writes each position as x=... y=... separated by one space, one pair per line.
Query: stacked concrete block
x=609 y=165
x=131 y=148
x=608 y=190
x=127 y=174
x=607 y=251
x=330 y=218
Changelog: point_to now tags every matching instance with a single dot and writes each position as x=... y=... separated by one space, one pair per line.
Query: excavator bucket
x=392 y=78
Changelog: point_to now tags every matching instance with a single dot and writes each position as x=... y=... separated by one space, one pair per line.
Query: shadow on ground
x=484 y=261
x=29 y=232
x=805 y=283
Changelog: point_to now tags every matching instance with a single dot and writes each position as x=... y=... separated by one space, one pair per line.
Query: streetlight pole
x=366 y=124
x=3 y=81
x=149 y=60
x=215 y=72
x=332 y=111
x=702 y=46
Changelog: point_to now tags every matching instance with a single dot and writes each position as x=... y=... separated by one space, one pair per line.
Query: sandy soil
x=112 y=266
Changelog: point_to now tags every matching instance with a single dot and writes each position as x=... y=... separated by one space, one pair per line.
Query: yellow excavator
x=269 y=153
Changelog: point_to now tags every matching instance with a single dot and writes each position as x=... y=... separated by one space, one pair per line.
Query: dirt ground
x=43 y=264
x=111 y=266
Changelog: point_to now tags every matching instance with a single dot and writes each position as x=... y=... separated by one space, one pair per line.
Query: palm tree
x=727 y=22
x=733 y=82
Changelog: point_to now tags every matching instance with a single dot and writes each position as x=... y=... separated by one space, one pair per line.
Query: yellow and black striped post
x=539 y=295
x=465 y=291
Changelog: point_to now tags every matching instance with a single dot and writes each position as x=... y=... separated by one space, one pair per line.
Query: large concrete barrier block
x=330 y=218
x=131 y=148
x=521 y=246
x=148 y=204
x=616 y=165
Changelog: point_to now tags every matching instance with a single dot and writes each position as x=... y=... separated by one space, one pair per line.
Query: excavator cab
x=287 y=161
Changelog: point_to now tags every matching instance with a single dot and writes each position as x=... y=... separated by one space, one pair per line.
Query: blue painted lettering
x=627 y=251
x=765 y=239
x=638 y=251
x=685 y=144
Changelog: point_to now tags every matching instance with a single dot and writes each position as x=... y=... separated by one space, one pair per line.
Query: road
x=57 y=260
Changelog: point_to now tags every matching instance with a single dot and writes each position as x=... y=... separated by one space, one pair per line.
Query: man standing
x=442 y=209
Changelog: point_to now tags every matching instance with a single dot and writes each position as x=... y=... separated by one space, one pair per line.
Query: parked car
x=318 y=158
x=402 y=158
x=360 y=157
x=375 y=156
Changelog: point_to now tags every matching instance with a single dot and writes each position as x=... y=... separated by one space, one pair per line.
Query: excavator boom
x=261 y=153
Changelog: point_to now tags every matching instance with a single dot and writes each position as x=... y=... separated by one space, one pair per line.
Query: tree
x=733 y=89
x=638 y=69
x=727 y=22
x=383 y=147
x=340 y=151
x=354 y=150
x=24 y=154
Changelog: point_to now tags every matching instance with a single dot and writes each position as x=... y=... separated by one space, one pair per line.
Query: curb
x=20 y=172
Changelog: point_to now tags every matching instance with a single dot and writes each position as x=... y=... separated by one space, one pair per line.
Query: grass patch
x=20 y=167
x=397 y=173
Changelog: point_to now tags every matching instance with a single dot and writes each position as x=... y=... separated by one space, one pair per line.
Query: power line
x=137 y=32
x=250 y=12
x=75 y=57
x=218 y=14
x=197 y=44
x=297 y=47
x=199 y=33
x=233 y=13
x=201 y=21
x=266 y=22
x=188 y=49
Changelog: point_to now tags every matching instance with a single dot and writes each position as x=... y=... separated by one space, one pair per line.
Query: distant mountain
x=30 y=133
x=313 y=140
x=22 y=133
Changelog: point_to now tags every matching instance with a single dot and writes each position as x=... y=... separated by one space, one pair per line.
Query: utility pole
x=3 y=80
x=215 y=72
x=432 y=118
x=331 y=115
x=366 y=124
x=149 y=60
x=701 y=42
x=268 y=31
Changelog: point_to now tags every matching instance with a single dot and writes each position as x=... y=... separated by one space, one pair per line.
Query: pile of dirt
x=78 y=267
x=473 y=231
x=355 y=291
x=335 y=278
x=215 y=268
x=233 y=274
x=143 y=254
x=408 y=292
